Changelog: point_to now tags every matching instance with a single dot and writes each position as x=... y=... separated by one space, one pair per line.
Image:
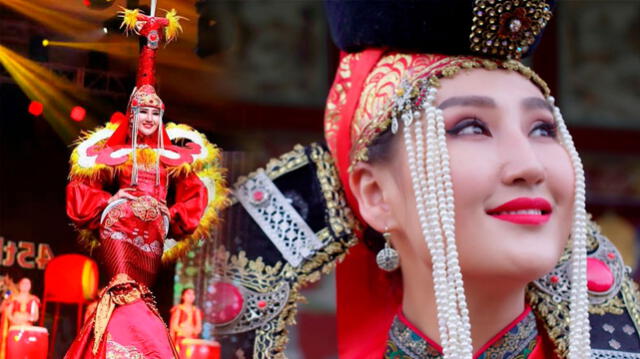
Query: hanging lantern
x=71 y=278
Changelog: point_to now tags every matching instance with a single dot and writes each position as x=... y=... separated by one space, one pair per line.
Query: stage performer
x=135 y=187
x=186 y=318
x=458 y=155
x=19 y=308
x=23 y=307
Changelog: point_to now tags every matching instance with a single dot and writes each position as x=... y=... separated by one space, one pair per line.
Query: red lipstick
x=523 y=210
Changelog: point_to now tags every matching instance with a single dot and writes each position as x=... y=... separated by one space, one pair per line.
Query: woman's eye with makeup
x=469 y=127
x=545 y=129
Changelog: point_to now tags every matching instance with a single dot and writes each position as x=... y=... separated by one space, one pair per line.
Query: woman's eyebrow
x=478 y=101
x=534 y=103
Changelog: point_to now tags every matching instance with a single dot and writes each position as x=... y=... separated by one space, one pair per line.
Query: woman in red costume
x=186 y=318
x=136 y=224
x=20 y=309
x=464 y=163
x=23 y=307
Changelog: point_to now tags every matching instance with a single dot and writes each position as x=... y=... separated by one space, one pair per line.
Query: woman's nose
x=520 y=162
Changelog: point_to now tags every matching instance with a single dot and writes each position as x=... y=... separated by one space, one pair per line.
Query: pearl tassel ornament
x=436 y=214
x=419 y=181
x=579 y=328
x=447 y=217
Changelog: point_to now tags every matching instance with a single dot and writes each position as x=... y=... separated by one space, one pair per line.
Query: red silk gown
x=132 y=234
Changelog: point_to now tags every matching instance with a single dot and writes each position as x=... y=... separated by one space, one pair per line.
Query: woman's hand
x=122 y=193
x=165 y=211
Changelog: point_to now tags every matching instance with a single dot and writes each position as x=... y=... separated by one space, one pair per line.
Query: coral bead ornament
x=227 y=302
x=599 y=276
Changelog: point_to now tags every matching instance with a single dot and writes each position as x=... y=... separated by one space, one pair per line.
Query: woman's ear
x=368 y=185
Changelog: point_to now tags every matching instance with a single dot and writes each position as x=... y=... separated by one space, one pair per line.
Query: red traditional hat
x=154 y=29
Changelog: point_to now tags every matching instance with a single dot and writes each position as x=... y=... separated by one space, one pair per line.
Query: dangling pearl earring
x=387 y=259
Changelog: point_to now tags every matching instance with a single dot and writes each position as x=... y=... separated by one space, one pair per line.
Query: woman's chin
x=516 y=266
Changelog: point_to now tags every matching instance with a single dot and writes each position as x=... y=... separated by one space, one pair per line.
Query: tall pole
x=152 y=13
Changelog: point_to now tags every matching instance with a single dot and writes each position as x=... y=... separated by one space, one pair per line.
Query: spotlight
x=78 y=113
x=105 y=30
x=45 y=42
x=35 y=108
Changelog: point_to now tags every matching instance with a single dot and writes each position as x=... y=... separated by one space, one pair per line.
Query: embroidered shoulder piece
x=91 y=158
x=517 y=343
x=206 y=162
x=614 y=311
x=189 y=152
x=290 y=224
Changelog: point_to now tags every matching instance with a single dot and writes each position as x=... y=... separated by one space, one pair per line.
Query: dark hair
x=184 y=291
x=380 y=150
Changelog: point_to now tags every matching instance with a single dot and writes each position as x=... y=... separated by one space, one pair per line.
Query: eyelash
x=551 y=128
x=466 y=123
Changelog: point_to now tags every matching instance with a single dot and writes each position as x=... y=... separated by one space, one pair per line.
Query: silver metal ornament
x=388 y=259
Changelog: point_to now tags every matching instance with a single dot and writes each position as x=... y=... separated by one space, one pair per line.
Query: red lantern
x=35 y=108
x=78 y=113
x=71 y=279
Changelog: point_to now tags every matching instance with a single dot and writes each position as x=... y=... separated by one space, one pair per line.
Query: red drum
x=199 y=349
x=27 y=342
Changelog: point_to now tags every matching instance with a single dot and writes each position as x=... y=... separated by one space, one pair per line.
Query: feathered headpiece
x=154 y=29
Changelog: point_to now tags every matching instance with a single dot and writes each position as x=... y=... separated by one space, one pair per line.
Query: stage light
x=105 y=30
x=35 y=108
x=45 y=42
x=65 y=17
x=55 y=92
x=119 y=48
x=117 y=117
x=78 y=113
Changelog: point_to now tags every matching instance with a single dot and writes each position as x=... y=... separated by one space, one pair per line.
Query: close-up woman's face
x=148 y=120
x=513 y=180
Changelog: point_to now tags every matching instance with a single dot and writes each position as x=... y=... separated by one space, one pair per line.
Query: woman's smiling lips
x=523 y=210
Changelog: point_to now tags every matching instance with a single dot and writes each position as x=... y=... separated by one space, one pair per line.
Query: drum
x=27 y=342
x=199 y=349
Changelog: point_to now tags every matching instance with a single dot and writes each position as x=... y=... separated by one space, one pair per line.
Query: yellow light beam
x=53 y=91
x=121 y=48
x=62 y=22
x=177 y=58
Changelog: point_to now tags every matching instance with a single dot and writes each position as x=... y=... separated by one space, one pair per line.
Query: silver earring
x=387 y=259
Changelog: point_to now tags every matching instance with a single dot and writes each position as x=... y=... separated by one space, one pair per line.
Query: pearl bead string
x=443 y=290
x=436 y=214
x=419 y=181
x=579 y=328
